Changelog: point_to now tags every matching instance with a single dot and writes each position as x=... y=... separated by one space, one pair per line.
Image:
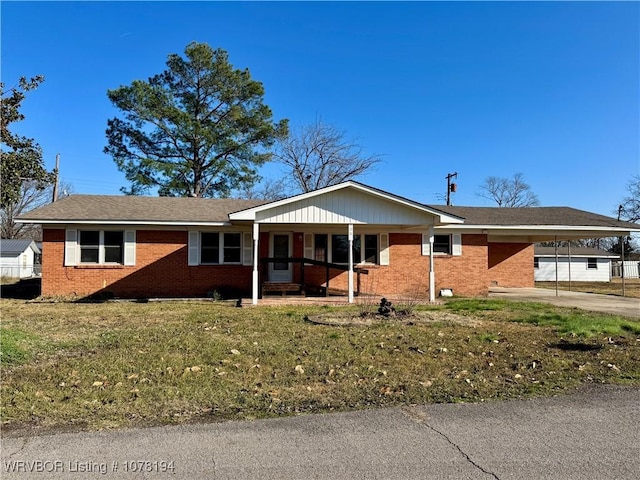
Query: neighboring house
x=19 y=258
x=576 y=264
x=346 y=237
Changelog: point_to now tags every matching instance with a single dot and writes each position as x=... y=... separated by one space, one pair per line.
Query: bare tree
x=630 y=206
x=319 y=155
x=509 y=192
x=269 y=189
x=31 y=196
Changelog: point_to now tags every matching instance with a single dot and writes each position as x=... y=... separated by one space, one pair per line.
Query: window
x=101 y=246
x=232 y=248
x=335 y=248
x=113 y=247
x=442 y=244
x=320 y=249
x=371 y=248
x=340 y=248
x=218 y=247
x=592 y=263
x=210 y=248
x=536 y=262
x=89 y=247
x=361 y=253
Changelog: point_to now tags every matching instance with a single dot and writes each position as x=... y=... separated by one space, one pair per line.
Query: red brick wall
x=161 y=270
x=408 y=271
x=511 y=264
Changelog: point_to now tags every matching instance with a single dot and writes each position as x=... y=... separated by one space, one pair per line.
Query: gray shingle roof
x=131 y=209
x=111 y=208
x=575 y=252
x=533 y=216
x=10 y=248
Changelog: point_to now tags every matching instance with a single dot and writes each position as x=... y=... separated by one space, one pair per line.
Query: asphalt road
x=593 y=434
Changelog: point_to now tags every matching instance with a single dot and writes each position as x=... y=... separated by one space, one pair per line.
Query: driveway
x=592 y=434
x=628 y=307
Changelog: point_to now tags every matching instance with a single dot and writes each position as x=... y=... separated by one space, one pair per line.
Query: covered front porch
x=330 y=240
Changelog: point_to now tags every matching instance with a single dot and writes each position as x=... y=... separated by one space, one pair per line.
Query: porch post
x=432 y=275
x=350 y=283
x=255 y=288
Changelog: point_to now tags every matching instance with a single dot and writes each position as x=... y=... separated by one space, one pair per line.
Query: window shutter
x=194 y=248
x=426 y=244
x=384 y=249
x=129 y=247
x=247 y=248
x=308 y=246
x=71 y=247
x=456 y=247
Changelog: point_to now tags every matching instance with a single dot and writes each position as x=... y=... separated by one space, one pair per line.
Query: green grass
x=114 y=365
x=15 y=346
x=584 y=324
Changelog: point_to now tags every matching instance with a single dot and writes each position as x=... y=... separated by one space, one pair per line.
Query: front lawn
x=115 y=365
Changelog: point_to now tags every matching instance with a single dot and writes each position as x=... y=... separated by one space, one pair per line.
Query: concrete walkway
x=628 y=307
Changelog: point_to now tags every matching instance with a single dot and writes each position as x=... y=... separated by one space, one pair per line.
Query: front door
x=280 y=247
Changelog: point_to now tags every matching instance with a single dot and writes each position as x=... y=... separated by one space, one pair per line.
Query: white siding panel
x=343 y=207
x=579 y=270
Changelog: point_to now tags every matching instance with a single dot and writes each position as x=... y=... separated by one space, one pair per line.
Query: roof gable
x=348 y=202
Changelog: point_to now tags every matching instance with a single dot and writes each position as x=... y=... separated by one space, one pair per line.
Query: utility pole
x=55 y=180
x=451 y=187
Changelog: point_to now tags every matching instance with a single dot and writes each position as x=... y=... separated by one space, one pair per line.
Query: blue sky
x=549 y=89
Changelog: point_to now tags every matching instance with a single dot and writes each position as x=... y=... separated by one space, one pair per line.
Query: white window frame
x=197 y=236
x=72 y=255
x=381 y=254
x=455 y=245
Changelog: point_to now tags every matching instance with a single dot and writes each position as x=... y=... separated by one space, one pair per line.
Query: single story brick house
x=348 y=237
x=578 y=264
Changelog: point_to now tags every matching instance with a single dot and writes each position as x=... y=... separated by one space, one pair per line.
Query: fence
x=17 y=271
x=631 y=269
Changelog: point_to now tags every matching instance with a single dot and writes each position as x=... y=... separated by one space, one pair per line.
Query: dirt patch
x=345 y=319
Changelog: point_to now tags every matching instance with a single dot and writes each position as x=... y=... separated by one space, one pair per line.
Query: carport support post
x=569 y=265
x=254 y=283
x=622 y=264
x=432 y=274
x=555 y=245
x=350 y=282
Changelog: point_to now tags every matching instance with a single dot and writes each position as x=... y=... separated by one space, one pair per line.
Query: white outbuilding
x=19 y=258
x=577 y=264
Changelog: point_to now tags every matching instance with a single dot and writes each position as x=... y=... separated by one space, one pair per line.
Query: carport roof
x=543 y=216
